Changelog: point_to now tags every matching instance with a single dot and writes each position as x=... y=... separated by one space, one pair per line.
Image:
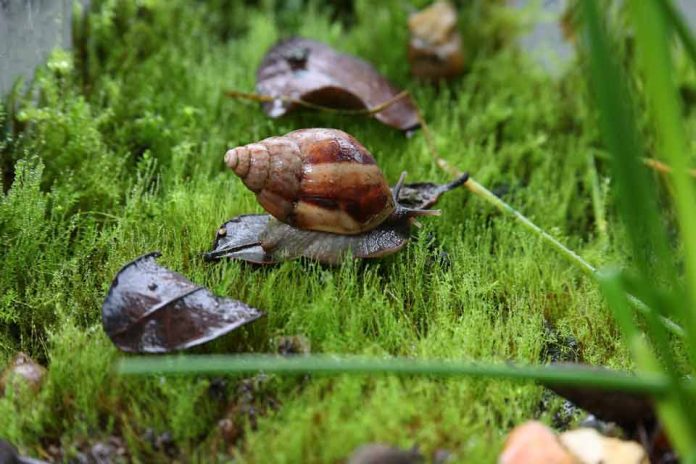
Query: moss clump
x=116 y=150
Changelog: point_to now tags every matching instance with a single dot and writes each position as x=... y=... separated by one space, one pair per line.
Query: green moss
x=116 y=150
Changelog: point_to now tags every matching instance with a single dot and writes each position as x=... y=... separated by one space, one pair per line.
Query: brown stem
x=663 y=168
x=296 y=101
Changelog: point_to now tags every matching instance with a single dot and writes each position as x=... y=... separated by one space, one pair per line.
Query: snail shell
x=315 y=179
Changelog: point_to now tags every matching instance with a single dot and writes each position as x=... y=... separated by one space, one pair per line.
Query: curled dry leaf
x=384 y=454
x=310 y=71
x=150 y=309
x=22 y=369
x=435 y=45
x=260 y=239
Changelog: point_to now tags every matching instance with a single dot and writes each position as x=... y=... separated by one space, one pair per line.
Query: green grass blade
x=681 y=27
x=635 y=190
x=655 y=60
x=326 y=364
x=673 y=407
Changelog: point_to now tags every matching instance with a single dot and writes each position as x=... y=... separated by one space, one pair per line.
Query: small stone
x=590 y=447
x=22 y=369
x=533 y=442
x=435 y=46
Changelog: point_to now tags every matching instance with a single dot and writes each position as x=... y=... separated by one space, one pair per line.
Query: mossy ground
x=116 y=150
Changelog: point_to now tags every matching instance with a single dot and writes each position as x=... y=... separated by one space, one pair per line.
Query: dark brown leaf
x=260 y=239
x=307 y=70
x=150 y=309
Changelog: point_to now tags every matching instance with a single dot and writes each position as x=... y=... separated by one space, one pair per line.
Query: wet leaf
x=260 y=239
x=435 y=45
x=22 y=369
x=307 y=70
x=151 y=309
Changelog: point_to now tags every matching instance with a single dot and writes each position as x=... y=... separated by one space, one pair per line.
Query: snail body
x=318 y=179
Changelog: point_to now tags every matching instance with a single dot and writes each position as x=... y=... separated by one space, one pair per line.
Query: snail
x=326 y=198
x=320 y=179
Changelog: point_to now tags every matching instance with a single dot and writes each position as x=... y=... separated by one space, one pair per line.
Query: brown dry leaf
x=435 y=46
x=533 y=443
x=23 y=369
x=590 y=447
x=310 y=71
x=150 y=309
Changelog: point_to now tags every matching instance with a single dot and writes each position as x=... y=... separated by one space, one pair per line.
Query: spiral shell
x=315 y=179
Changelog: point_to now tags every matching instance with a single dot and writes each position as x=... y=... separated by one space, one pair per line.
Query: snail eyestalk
x=403 y=211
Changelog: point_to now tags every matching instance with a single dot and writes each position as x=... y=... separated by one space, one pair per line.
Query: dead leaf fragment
x=260 y=239
x=532 y=443
x=435 y=45
x=22 y=369
x=150 y=309
x=590 y=447
x=307 y=70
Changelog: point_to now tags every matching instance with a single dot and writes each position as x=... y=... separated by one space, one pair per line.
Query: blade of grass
x=651 y=383
x=676 y=20
x=634 y=188
x=673 y=406
x=638 y=206
x=477 y=189
x=655 y=60
x=597 y=200
x=636 y=193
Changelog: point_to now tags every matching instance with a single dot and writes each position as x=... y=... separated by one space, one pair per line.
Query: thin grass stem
x=578 y=376
x=597 y=201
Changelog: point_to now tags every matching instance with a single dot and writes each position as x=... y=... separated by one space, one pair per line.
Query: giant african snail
x=321 y=180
